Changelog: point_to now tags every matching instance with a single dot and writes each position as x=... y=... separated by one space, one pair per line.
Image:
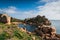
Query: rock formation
x=39 y=20
x=5 y=18
x=46 y=32
x=43 y=28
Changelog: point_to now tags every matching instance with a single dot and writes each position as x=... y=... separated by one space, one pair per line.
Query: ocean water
x=56 y=23
x=28 y=27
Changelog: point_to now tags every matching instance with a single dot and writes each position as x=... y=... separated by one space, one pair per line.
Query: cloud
x=28 y=14
x=10 y=9
x=50 y=10
x=48 y=0
x=16 y=13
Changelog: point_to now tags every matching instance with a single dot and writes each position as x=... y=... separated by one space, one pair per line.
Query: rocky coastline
x=44 y=28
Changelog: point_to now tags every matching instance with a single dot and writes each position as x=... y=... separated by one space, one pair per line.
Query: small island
x=9 y=29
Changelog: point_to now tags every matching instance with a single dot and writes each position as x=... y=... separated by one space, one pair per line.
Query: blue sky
x=20 y=4
x=22 y=9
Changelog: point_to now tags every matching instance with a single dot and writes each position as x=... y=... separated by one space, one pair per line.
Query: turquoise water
x=28 y=27
x=56 y=23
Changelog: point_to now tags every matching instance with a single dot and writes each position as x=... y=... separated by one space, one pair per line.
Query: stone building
x=4 y=18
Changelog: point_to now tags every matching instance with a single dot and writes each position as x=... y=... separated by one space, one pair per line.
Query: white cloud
x=50 y=10
x=48 y=0
x=10 y=9
x=14 y=12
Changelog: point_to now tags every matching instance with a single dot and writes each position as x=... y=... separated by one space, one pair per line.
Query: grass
x=1 y=23
x=12 y=32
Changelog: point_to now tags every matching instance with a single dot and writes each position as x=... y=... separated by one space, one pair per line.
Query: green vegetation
x=16 y=20
x=12 y=32
x=38 y=20
x=1 y=23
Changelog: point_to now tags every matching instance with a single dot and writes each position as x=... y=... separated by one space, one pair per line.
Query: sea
x=55 y=23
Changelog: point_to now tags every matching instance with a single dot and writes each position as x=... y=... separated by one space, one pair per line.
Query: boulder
x=53 y=30
x=58 y=35
x=33 y=38
x=46 y=32
x=23 y=29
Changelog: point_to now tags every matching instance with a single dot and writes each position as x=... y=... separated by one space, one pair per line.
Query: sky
x=22 y=9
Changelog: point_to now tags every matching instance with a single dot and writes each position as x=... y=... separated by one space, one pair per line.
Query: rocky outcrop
x=5 y=18
x=36 y=21
x=43 y=28
x=47 y=32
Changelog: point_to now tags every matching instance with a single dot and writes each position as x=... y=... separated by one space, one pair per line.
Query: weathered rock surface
x=47 y=32
x=5 y=18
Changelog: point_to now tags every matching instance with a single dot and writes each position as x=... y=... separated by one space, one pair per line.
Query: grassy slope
x=14 y=33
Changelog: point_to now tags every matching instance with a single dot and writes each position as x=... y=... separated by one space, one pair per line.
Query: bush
x=4 y=36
